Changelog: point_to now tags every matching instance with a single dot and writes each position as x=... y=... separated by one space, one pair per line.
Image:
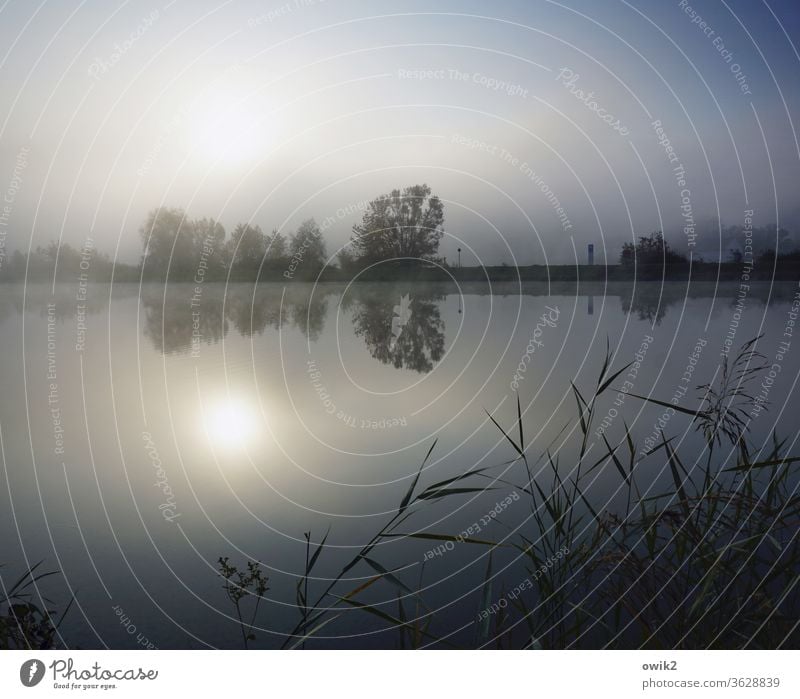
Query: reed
x=712 y=560
x=25 y=620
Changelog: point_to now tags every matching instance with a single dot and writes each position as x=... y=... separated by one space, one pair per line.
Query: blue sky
x=276 y=111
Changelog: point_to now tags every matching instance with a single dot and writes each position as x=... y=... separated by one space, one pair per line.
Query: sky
x=544 y=126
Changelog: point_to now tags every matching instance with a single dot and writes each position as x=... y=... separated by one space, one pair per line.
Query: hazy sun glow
x=226 y=125
x=231 y=423
x=229 y=133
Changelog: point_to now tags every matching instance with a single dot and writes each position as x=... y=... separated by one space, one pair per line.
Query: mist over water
x=426 y=325
x=302 y=407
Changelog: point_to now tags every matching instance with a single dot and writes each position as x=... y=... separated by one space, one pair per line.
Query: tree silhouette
x=307 y=251
x=246 y=249
x=183 y=247
x=652 y=255
x=400 y=224
x=275 y=260
x=209 y=251
x=168 y=241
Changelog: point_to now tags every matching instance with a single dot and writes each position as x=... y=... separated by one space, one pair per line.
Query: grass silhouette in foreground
x=23 y=623
x=711 y=562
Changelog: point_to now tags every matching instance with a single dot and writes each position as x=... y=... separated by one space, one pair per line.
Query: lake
x=148 y=432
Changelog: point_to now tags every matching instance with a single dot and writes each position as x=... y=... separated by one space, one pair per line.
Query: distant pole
x=459 y=258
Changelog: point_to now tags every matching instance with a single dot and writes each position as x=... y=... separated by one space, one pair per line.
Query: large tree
x=651 y=256
x=275 y=258
x=210 y=250
x=651 y=249
x=246 y=249
x=169 y=243
x=400 y=224
x=307 y=251
x=185 y=247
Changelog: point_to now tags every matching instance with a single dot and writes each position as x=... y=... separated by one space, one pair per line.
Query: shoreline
x=788 y=271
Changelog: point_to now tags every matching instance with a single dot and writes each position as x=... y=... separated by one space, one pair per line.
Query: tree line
x=404 y=226
x=185 y=249
x=65 y=263
x=400 y=226
x=398 y=237
x=768 y=249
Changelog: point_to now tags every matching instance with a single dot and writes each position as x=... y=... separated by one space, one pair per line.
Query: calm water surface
x=145 y=434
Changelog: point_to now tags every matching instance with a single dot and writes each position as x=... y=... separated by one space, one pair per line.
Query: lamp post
x=459 y=258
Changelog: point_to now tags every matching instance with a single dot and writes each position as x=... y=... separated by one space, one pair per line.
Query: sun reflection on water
x=231 y=422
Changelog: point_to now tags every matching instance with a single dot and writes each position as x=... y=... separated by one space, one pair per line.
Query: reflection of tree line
x=15 y=298
x=648 y=304
x=416 y=343
x=171 y=323
x=651 y=301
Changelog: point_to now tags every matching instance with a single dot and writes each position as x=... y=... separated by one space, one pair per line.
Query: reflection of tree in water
x=252 y=315
x=170 y=319
x=416 y=344
x=650 y=302
x=275 y=305
x=309 y=317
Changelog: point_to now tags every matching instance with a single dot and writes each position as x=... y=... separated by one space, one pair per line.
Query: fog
x=522 y=118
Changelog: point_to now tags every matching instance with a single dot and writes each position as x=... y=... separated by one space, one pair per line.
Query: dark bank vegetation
x=397 y=239
x=25 y=620
x=64 y=263
x=707 y=556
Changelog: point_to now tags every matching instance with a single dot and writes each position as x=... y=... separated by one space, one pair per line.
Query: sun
x=231 y=423
x=228 y=133
x=227 y=125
